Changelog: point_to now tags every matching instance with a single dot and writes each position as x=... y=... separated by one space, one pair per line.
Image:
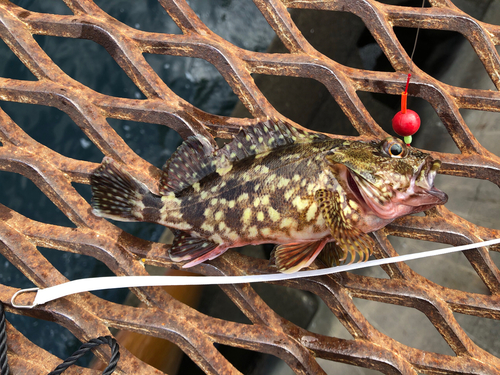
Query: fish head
x=389 y=178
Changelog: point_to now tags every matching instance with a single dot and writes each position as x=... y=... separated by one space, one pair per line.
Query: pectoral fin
x=195 y=249
x=292 y=257
x=348 y=237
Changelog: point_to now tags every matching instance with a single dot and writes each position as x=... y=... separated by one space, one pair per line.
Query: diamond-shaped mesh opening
x=22 y=195
x=12 y=66
x=436 y=51
x=238 y=22
x=87 y=62
x=196 y=81
x=141 y=53
x=152 y=18
x=419 y=334
x=52 y=128
x=463 y=278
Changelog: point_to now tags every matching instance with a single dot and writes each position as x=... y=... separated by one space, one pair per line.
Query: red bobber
x=406 y=124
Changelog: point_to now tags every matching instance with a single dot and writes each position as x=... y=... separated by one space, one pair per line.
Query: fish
x=308 y=193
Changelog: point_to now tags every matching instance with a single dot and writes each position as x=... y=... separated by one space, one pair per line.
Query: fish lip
x=440 y=195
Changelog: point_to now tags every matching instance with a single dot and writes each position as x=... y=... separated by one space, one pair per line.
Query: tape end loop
x=22 y=291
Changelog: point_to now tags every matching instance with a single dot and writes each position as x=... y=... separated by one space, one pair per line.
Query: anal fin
x=292 y=257
x=194 y=249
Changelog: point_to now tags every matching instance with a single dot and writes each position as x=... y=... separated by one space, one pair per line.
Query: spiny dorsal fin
x=187 y=165
x=196 y=158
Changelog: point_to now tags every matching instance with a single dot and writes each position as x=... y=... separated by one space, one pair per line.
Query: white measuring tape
x=112 y=282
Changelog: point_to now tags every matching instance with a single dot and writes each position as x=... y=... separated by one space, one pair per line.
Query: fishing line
x=112 y=282
x=415 y=43
x=407 y=122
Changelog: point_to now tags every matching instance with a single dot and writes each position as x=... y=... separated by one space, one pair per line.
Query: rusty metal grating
x=87 y=316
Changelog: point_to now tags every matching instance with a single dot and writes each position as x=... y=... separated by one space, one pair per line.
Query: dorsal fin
x=196 y=158
x=187 y=165
x=266 y=136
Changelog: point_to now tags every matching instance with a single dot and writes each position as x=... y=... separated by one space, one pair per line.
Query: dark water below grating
x=194 y=80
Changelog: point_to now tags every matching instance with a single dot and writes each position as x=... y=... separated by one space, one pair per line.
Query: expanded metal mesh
x=88 y=316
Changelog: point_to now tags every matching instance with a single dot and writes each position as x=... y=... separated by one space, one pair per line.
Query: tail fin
x=116 y=194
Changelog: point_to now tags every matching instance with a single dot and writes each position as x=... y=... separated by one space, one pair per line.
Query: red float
x=406 y=122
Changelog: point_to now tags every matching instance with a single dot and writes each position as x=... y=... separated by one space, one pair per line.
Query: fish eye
x=394 y=147
x=396 y=150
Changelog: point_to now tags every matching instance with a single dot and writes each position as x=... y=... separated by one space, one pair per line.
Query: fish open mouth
x=388 y=203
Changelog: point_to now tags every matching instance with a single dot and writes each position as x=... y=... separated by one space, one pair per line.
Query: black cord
x=115 y=351
x=4 y=365
x=115 y=355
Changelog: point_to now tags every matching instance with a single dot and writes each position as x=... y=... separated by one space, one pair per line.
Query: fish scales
x=305 y=192
x=255 y=199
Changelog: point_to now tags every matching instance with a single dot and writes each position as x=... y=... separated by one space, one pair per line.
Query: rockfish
x=307 y=193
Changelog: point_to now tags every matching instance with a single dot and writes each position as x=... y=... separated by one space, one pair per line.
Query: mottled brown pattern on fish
x=275 y=184
x=261 y=196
